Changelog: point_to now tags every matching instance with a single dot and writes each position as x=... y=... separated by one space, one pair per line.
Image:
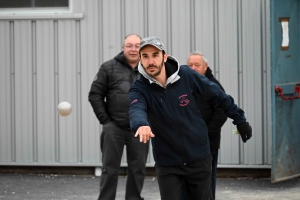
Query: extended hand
x=245 y=131
x=145 y=133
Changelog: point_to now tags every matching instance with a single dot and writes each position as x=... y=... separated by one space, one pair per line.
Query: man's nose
x=151 y=61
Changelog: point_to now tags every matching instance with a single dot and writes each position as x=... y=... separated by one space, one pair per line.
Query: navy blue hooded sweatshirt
x=181 y=135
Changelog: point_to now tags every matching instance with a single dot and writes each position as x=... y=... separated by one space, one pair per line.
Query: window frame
x=74 y=11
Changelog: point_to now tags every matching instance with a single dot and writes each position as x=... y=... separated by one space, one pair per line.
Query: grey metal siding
x=228 y=62
x=46 y=61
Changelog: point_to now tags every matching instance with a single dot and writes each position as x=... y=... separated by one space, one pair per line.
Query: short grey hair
x=195 y=53
x=131 y=35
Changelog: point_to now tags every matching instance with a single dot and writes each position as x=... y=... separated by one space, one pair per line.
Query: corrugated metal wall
x=46 y=61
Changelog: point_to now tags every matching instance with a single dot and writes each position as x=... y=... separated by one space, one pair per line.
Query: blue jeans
x=214 y=154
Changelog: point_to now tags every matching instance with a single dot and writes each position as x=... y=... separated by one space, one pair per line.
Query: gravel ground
x=80 y=187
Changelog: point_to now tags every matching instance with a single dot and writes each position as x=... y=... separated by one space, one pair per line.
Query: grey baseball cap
x=154 y=41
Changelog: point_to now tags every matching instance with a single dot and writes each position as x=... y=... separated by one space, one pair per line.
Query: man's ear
x=165 y=57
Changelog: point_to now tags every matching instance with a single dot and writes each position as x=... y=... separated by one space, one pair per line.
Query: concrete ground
x=17 y=186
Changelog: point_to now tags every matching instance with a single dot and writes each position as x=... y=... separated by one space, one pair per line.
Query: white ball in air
x=64 y=108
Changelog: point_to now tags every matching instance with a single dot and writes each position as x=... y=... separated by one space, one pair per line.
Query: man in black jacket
x=109 y=98
x=213 y=117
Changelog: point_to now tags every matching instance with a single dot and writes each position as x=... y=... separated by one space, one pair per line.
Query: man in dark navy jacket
x=214 y=117
x=164 y=107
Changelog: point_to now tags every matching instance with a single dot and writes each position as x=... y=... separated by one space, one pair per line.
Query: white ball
x=64 y=108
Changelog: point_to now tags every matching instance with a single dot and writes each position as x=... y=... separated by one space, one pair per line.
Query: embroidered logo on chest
x=183 y=101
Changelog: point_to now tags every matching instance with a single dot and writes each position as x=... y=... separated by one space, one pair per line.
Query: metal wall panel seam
x=123 y=17
x=266 y=80
x=145 y=16
x=257 y=158
x=13 y=100
x=56 y=89
x=240 y=74
x=169 y=27
x=192 y=27
x=263 y=99
x=216 y=40
x=34 y=91
x=79 y=90
x=263 y=77
x=100 y=17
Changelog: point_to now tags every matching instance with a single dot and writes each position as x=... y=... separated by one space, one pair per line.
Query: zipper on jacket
x=133 y=76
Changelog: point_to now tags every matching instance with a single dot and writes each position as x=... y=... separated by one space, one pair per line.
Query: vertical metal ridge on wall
x=34 y=91
x=56 y=88
x=79 y=90
x=192 y=25
x=266 y=93
x=240 y=70
x=12 y=83
x=263 y=74
x=123 y=17
x=216 y=38
x=146 y=20
x=268 y=129
x=169 y=26
x=100 y=45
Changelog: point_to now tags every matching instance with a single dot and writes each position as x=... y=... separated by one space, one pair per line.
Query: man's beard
x=159 y=67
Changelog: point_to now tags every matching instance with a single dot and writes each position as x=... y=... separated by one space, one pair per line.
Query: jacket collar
x=122 y=59
x=208 y=72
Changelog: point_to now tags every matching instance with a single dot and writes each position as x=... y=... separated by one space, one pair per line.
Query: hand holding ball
x=64 y=108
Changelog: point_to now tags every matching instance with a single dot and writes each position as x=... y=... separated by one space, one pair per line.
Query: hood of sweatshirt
x=172 y=68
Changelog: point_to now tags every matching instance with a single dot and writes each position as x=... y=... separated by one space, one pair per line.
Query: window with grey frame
x=33 y=3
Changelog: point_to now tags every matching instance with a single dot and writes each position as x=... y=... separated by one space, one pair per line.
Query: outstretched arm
x=217 y=97
x=138 y=116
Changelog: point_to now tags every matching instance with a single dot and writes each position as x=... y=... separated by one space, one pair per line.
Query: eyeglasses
x=130 y=46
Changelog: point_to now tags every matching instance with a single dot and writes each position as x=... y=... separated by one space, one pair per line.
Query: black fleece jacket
x=214 y=117
x=109 y=91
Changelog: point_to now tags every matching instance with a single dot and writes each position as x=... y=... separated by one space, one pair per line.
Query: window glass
x=33 y=3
